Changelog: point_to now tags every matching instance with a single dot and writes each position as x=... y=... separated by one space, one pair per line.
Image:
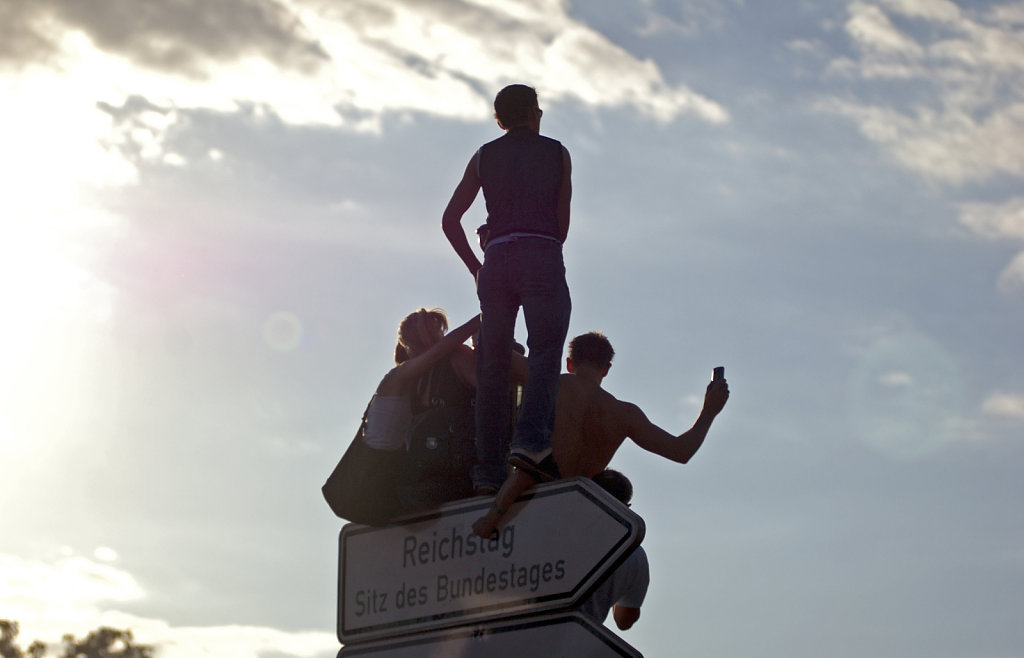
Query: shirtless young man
x=591 y=424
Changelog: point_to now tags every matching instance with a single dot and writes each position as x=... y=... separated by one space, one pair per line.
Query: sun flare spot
x=283 y=331
x=906 y=399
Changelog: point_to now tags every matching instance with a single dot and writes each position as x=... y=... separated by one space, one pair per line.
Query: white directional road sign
x=565 y=635
x=432 y=572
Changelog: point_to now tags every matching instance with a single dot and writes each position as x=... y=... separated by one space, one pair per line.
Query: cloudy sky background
x=215 y=213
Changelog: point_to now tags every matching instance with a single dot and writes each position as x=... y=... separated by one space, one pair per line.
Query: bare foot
x=487 y=525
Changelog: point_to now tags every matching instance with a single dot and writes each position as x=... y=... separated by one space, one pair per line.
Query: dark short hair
x=591 y=348
x=616 y=484
x=512 y=105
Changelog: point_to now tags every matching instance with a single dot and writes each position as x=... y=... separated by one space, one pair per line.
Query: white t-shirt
x=626 y=586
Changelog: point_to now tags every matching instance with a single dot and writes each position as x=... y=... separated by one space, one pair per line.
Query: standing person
x=623 y=592
x=526 y=181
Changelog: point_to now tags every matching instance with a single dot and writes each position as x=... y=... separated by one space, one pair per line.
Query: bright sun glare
x=52 y=305
x=50 y=310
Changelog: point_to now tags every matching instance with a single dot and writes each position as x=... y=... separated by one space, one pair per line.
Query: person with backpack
x=415 y=447
x=377 y=480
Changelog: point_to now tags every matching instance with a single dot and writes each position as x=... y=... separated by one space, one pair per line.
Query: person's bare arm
x=394 y=382
x=451 y=221
x=564 y=196
x=680 y=448
x=464 y=361
x=625 y=616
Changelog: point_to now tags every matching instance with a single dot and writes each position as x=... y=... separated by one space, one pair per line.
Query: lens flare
x=283 y=331
x=905 y=397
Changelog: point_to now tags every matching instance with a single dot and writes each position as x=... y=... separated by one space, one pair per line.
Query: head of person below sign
x=623 y=591
x=591 y=424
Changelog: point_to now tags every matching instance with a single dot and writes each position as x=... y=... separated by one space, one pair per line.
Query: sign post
x=431 y=572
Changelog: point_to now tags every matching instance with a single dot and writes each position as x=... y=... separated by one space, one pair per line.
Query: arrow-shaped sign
x=432 y=572
x=565 y=635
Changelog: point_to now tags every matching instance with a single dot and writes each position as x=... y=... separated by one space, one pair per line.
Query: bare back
x=590 y=425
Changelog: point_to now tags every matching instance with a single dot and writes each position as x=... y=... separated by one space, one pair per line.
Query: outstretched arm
x=394 y=382
x=451 y=221
x=680 y=448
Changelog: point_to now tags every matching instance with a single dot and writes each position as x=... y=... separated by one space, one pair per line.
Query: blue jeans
x=527 y=272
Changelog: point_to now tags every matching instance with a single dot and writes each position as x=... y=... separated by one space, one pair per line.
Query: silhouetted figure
x=624 y=590
x=526 y=181
x=382 y=475
x=591 y=424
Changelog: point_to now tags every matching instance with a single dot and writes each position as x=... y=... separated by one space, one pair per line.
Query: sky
x=215 y=214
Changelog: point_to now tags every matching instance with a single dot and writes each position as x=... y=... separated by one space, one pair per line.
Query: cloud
x=895 y=379
x=1008 y=405
x=872 y=30
x=176 y=37
x=1012 y=278
x=68 y=580
x=947 y=145
x=73 y=594
x=999 y=221
x=959 y=113
x=689 y=18
x=934 y=10
x=995 y=220
x=410 y=54
x=343 y=63
x=61 y=594
x=804 y=46
x=225 y=641
x=1013 y=13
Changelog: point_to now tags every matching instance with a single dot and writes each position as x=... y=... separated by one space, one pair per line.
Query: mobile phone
x=718 y=373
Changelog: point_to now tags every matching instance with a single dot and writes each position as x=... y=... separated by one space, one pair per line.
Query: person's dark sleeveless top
x=446 y=389
x=521 y=174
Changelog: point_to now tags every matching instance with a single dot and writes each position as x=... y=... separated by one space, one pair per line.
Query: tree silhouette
x=105 y=643
x=102 y=643
x=8 y=634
